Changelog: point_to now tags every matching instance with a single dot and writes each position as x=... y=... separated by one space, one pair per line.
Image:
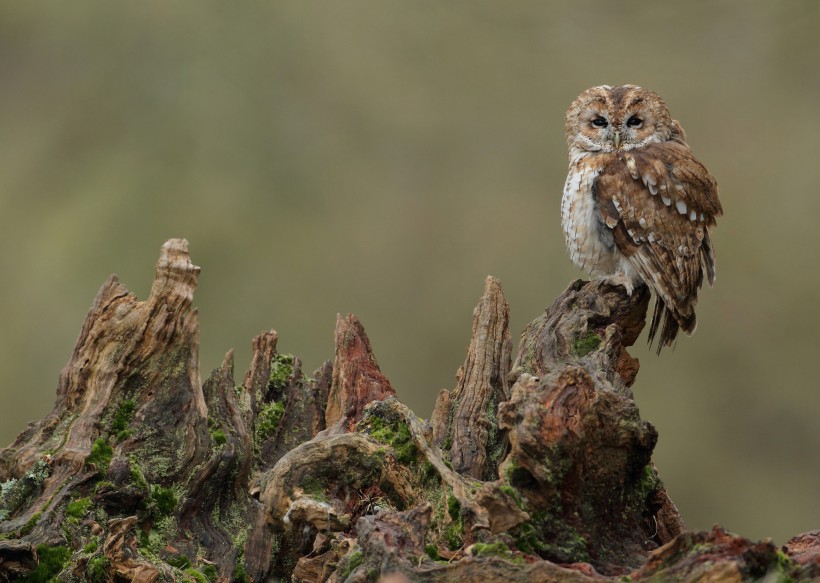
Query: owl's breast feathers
x=659 y=202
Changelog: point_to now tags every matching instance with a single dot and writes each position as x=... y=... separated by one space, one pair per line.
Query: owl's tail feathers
x=708 y=258
x=669 y=323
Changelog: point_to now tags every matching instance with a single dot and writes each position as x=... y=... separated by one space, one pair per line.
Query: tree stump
x=537 y=468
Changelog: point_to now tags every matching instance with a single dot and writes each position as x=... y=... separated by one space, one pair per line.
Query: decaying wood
x=539 y=470
x=464 y=421
x=357 y=379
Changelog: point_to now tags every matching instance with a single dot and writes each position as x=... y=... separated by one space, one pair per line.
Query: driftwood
x=536 y=468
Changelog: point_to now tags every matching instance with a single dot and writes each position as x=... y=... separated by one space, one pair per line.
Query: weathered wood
x=591 y=322
x=357 y=379
x=464 y=421
x=142 y=473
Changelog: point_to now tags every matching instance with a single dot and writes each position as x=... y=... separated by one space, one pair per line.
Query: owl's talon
x=619 y=280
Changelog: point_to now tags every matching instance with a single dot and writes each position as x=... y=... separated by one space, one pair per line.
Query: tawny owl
x=637 y=205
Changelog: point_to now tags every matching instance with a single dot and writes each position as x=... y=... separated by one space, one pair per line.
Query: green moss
x=96 y=570
x=397 y=435
x=196 y=575
x=91 y=546
x=239 y=574
x=432 y=552
x=513 y=493
x=585 y=344
x=281 y=369
x=565 y=544
x=123 y=435
x=527 y=540
x=218 y=437
x=123 y=416
x=314 y=488
x=550 y=533
x=210 y=573
x=454 y=535
x=153 y=542
x=77 y=509
x=138 y=477
x=489 y=549
x=181 y=562
x=101 y=455
x=165 y=500
x=453 y=507
x=784 y=568
x=51 y=561
x=429 y=473
x=355 y=559
x=648 y=485
x=30 y=524
x=498 y=549
x=496 y=447
x=268 y=419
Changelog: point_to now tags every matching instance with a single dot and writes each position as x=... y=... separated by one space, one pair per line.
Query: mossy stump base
x=537 y=468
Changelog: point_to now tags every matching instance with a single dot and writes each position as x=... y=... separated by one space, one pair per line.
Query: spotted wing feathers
x=660 y=202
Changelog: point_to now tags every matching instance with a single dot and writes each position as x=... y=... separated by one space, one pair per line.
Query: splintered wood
x=357 y=379
x=464 y=420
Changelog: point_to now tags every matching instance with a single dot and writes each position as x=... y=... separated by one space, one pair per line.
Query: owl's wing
x=659 y=202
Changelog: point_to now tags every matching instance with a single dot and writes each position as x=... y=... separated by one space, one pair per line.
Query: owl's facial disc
x=638 y=127
x=595 y=127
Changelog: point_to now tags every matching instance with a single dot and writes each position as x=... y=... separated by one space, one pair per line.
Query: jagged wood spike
x=357 y=379
x=464 y=420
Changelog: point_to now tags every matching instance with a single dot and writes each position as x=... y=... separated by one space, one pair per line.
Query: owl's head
x=606 y=118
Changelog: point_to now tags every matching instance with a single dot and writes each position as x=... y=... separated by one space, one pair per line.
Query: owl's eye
x=599 y=122
x=634 y=122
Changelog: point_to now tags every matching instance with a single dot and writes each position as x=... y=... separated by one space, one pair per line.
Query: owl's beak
x=617 y=140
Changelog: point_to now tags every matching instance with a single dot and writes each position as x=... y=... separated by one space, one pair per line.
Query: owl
x=637 y=205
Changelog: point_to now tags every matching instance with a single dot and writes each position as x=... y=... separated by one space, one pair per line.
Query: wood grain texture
x=466 y=417
x=357 y=379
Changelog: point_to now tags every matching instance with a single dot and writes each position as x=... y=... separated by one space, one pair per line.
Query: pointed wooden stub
x=258 y=375
x=131 y=385
x=357 y=379
x=303 y=415
x=590 y=324
x=477 y=444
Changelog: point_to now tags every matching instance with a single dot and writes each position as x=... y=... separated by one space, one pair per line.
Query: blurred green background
x=383 y=157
